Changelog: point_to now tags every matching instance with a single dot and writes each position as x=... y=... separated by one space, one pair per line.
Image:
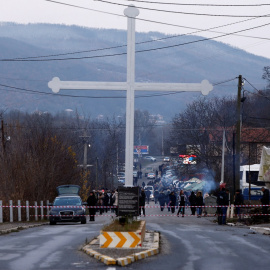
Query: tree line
x=200 y=128
x=40 y=151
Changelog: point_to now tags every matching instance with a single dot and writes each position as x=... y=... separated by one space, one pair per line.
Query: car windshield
x=67 y=201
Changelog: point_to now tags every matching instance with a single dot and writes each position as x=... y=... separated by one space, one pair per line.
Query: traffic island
x=124 y=240
x=124 y=256
x=123 y=234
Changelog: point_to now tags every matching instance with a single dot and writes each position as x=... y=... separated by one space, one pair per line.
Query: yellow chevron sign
x=120 y=240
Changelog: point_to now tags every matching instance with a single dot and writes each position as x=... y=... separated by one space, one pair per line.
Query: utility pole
x=238 y=135
x=96 y=172
x=162 y=141
x=84 y=165
x=3 y=136
x=223 y=158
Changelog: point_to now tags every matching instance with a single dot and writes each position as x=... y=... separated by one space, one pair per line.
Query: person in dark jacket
x=199 y=202
x=142 y=202
x=238 y=200
x=265 y=201
x=91 y=202
x=162 y=199
x=182 y=203
x=172 y=201
x=156 y=195
x=106 y=201
x=147 y=194
x=222 y=200
x=192 y=201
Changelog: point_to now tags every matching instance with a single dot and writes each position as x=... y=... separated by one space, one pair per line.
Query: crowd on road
x=170 y=198
x=102 y=201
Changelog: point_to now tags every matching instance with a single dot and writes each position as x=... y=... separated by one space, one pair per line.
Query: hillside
x=210 y=60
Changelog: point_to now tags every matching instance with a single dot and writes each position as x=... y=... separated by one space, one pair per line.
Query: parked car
x=67 y=206
x=148 y=170
x=120 y=174
x=151 y=188
x=121 y=180
x=150 y=158
x=166 y=159
x=151 y=175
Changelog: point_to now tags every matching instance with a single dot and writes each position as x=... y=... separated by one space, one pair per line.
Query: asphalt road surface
x=187 y=243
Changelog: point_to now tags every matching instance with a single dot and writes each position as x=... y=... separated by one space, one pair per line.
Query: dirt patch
x=116 y=226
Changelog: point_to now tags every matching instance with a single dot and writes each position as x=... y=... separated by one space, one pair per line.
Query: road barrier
x=39 y=210
x=120 y=240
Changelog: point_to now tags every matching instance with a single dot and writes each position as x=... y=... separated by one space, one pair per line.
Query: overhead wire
x=159 y=39
x=258 y=92
x=29 y=91
x=179 y=12
x=198 y=4
x=138 y=51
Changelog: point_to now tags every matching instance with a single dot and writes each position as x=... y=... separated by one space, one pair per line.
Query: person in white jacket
x=115 y=201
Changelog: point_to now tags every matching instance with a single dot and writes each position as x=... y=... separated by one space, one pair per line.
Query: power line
x=29 y=91
x=198 y=30
x=225 y=81
x=180 y=12
x=202 y=5
x=120 y=46
x=142 y=126
x=138 y=51
x=258 y=92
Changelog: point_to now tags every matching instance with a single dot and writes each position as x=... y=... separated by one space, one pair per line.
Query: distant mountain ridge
x=210 y=60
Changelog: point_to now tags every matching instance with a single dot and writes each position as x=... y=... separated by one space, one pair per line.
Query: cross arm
x=56 y=84
x=205 y=87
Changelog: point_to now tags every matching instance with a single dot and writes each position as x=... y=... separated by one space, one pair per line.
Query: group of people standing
x=195 y=201
x=102 y=202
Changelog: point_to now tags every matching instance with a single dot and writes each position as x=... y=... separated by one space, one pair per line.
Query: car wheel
x=52 y=223
x=83 y=221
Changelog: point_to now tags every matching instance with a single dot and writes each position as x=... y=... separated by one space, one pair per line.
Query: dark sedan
x=67 y=209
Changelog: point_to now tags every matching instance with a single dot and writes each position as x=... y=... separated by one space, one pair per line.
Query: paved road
x=187 y=243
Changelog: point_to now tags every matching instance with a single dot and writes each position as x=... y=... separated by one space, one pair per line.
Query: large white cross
x=130 y=86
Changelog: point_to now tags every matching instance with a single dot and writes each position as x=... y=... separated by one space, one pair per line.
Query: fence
x=21 y=212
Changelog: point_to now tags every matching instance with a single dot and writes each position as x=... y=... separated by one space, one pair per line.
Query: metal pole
x=238 y=135
x=96 y=172
x=249 y=176
x=233 y=162
x=162 y=143
x=85 y=152
x=222 y=163
x=3 y=136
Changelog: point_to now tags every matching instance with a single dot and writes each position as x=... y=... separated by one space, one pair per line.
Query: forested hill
x=193 y=62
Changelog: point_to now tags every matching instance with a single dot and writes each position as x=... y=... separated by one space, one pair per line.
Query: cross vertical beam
x=131 y=13
x=130 y=86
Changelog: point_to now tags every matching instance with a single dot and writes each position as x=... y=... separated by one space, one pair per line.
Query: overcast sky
x=256 y=41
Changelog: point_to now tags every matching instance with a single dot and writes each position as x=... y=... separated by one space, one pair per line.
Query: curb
x=123 y=261
x=19 y=228
x=262 y=230
x=137 y=256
